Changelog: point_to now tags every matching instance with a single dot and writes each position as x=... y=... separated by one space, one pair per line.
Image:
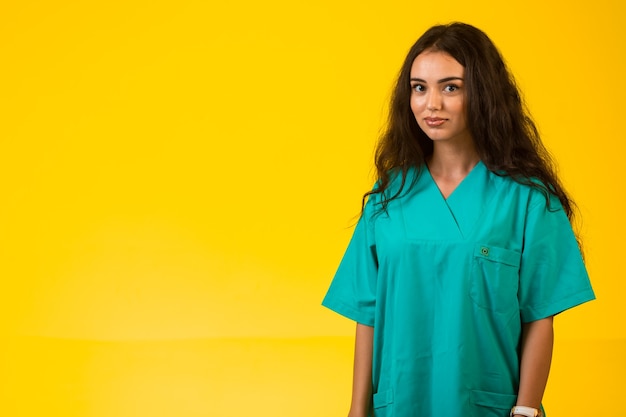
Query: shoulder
x=402 y=182
x=399 y=184
x=533 y=191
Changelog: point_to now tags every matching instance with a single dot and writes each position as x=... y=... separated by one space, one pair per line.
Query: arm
x=536 y=351
x=362 y=378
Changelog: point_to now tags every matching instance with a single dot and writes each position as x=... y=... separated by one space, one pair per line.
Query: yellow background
x=178 y=181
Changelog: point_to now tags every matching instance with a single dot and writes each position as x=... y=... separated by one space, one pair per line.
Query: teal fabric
x=447 y=284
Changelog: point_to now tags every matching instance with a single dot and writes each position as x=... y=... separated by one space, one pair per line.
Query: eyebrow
x=443 y=80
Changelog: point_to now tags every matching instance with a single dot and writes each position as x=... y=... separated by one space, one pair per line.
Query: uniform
x=447 y=284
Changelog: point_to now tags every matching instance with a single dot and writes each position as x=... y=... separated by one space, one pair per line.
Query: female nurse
x=464 y=251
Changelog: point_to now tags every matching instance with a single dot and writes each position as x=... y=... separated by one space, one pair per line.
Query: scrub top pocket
x=383 y=402
x=495 y=278
x=491 y=404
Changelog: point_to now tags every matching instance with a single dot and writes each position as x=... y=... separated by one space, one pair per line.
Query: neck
x=453 y=160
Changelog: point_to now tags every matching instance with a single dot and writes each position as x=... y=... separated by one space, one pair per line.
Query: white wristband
x=525 y=411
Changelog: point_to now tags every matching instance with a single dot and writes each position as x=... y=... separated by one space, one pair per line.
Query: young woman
x=464 y=252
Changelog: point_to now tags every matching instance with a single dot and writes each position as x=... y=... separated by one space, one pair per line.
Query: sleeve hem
x=534 y=313
x=349 y=312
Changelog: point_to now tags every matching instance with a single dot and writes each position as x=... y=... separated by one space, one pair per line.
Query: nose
x=433 y=101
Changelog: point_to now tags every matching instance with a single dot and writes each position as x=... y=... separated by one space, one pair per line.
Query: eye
x=418 y=88
x=450 y=88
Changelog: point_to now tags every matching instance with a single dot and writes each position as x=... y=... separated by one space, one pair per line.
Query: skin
x=438 y=104
x=537 y=343
x=362 y=378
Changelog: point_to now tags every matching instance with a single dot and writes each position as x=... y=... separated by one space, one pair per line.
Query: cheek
x=415 y=105
x=462 y=107
x=457 y=107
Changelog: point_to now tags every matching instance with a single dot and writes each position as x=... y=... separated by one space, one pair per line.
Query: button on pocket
x=494 y=278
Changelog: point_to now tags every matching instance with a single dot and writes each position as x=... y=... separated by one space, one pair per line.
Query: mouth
x=434 y=121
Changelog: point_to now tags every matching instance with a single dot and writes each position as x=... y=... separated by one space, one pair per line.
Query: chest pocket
x=495 y=278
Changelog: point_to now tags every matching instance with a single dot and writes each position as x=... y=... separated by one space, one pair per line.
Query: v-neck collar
x=467 y=201
x=432 y=178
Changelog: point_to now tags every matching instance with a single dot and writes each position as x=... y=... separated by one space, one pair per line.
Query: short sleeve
x=553 y=277
x=352 y=292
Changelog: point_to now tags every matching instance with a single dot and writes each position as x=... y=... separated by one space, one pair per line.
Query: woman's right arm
x=362 y=377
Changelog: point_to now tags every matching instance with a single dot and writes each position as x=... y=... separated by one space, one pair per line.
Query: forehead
x=436 y=64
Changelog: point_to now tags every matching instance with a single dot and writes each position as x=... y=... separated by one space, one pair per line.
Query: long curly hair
x=505 y=136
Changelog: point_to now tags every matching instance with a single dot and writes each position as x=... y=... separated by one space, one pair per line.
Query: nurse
x=464 y=251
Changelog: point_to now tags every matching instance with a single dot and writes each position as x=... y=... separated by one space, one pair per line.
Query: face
x=438 y=97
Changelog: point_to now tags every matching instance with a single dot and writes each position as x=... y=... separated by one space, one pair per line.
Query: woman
x=464 y=251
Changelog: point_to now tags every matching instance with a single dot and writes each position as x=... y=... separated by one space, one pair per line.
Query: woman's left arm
x=536 y=351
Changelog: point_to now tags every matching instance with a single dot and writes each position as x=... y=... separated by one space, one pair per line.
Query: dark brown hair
x=506 y=138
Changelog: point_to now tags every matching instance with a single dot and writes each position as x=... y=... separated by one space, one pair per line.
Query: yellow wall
x=179 y=178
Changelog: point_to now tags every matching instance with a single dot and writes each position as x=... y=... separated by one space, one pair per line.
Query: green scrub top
x=447 y=284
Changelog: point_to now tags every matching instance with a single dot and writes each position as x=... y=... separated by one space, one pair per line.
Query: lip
x=434 y=121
